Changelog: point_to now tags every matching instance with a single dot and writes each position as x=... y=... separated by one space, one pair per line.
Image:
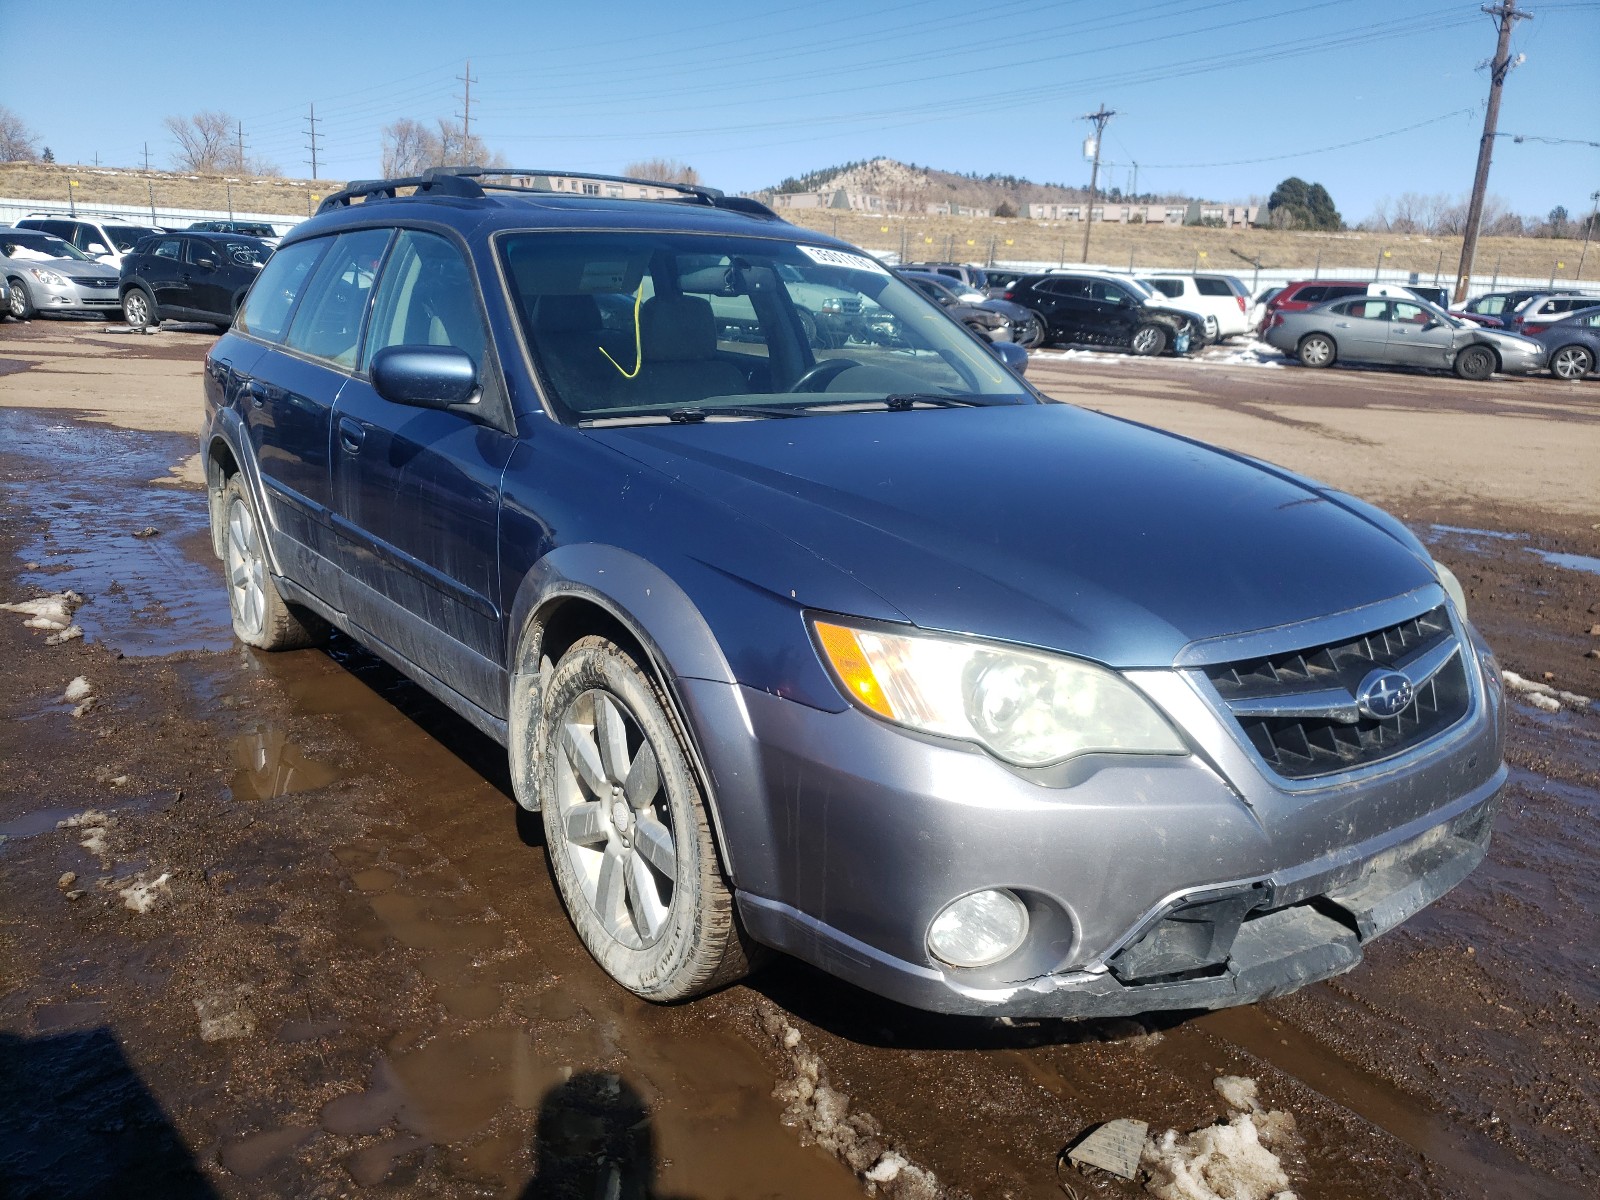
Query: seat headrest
x=677 y=329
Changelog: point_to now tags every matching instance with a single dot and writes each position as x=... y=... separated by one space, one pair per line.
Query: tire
x=1031 y=333
x=1317 y=350
x=625 y=818
x=1571 y=362
x=261 y=617
x=1476 y=363
x=21 y=308
x=808 y=326
x=139 y=308
x=1148 y=341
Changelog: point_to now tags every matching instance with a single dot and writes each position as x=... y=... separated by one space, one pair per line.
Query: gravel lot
x=351 y=975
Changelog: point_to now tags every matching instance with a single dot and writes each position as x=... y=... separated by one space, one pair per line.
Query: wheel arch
x=578 y=590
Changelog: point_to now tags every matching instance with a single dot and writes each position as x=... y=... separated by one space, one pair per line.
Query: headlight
x=1452 y=587
x=1024 y=707
x=47 y=277
x=832 y=305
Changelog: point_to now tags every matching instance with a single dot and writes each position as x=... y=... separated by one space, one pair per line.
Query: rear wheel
x=1148 y=340
x=261 y=617
x=1571 y=362
x=21 y=308
x=1317 y=351
x=138 y=309
x=1476 y=363
x=1031 y=333
x=627 y=831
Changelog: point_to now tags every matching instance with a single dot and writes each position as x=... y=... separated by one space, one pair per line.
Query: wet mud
x=353 y=975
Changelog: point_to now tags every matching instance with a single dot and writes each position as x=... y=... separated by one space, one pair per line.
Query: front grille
x=1300 y=709
x=93 y=281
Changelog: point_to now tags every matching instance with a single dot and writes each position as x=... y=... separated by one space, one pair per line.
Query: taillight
x=1008 y=294
x=1534 y=328
x=1240 y=299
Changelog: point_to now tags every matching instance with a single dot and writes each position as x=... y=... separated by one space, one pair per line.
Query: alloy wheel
x=1571 y=362
x=247 y=568
x=615 y=819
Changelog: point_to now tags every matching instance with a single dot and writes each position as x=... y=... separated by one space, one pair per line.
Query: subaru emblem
x=1384 y=694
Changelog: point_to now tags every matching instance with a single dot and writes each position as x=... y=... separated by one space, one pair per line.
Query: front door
x=417 y=490
x=1416 y=339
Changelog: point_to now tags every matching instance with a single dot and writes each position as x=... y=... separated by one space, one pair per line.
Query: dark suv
x=189 y=277
x=1097 y=310
x=860 y=650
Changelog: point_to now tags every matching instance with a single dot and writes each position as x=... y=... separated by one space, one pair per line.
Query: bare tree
x=664 y=170
x=17 y=141
x=410 y=147
x=204 y=142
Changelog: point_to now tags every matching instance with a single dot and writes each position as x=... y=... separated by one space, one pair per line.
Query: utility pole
x=466 y=82
x=1507 y=15
x=1099 y=118
x=1587 y=230
x=312 y=131
x=147 y=158
x=241 y=151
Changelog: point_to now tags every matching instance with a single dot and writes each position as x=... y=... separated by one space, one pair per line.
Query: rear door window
x=327 y=323
x=1310 y=295
x=271 y=301
x=168 y=248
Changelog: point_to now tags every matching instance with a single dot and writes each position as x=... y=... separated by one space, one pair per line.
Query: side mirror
x=208 y=263
x=424 y=376
x=1013 y=355
x=96 y=249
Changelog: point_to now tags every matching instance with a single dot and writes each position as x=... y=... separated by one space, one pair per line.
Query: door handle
x=351 y=435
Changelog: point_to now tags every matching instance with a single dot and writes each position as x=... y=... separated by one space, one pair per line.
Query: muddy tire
x=1031 y=334
x=627 y=830
x=261 y=617
x=1148 y=341
x=139 y=308
x=1317 y=350
x=21 y=307
x=1476 y=363
x=1571 y=362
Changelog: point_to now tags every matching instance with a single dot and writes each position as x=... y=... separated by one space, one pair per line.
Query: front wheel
x=1571 y=362
x=1148 y=340
x=1317 y=351
x=21 y=308
x=138 y=309
x=1476 y=363
x=627 y=832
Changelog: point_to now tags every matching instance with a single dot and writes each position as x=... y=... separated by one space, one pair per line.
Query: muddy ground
x=352 y=975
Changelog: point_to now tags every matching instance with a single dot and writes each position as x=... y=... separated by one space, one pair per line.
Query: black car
x=1097 y=310
x=189 y=277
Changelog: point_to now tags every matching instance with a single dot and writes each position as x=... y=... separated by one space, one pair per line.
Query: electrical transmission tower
x=466 y=82
x=1506 y=15
x=1099 y=118
x=311 y=131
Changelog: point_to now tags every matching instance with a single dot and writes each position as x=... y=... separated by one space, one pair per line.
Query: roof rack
x=465 y=182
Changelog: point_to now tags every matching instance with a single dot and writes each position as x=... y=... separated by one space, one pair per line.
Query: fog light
x=979 y=929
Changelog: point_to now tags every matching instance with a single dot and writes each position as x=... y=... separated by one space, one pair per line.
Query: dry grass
x=962 y=238
x=104 y=185
x=969 y=239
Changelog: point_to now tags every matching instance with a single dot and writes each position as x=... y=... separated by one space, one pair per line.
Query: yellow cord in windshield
x=638 y=341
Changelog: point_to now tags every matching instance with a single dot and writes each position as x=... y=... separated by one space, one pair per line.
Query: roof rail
x=464 y=182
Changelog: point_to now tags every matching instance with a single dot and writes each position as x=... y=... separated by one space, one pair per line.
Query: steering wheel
x=821 y=374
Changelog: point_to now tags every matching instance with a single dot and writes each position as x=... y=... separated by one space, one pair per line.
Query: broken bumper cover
x=1311 y=923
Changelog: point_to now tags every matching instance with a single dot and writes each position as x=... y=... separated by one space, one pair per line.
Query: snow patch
x=141 y=895
x=94 y=825
x=70 y=633
x=1234 y=1160
x=1542 y=695
x=1251 y=354
x=822 y=1115
x=78 y=690
x=52 y=612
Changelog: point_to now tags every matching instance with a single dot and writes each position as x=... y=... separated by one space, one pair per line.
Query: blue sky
x=750 y=92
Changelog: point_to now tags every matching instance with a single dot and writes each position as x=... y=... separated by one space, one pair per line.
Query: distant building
x=1232 y=216
x=594 y=187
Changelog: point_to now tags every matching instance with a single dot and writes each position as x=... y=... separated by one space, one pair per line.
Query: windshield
x=19 y=243
x=125 y=236
x=661 y=326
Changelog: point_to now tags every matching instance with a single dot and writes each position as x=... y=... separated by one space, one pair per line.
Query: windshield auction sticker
x=838 y=258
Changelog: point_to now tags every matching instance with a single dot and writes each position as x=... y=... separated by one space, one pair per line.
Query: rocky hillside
x=912 y=184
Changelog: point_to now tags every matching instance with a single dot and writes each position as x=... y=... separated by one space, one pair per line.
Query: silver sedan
x=1408 y=333
x=46 y=274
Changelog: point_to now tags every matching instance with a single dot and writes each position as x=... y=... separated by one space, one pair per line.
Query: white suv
x=1212 y=296
x=104 y=241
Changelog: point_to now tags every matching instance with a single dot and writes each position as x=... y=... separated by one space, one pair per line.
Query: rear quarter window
x=1213 y=287
x=1170 y=288
x=1309 y=295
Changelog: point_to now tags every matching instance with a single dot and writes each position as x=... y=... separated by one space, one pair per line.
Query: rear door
x=417 y=490
x=161 y=267
x=1359 y=328
x=202 y=275
x=1064 y=304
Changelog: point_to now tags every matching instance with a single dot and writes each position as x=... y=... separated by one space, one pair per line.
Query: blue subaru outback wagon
x=807 y=624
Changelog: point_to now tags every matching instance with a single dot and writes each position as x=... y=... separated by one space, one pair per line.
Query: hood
x=1043 y=525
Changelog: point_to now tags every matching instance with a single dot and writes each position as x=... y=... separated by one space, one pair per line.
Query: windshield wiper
x=900 y=401
x=693 y=416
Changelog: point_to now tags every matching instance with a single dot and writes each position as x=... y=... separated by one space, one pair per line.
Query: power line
x=1549 y=141
x=1248 y=162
